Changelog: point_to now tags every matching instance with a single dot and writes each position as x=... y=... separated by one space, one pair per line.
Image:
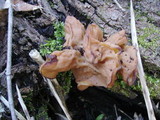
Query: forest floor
x=32 y=29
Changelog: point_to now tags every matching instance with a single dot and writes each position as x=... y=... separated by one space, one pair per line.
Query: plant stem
x=9 y=61
x=119 y=5
x=145 y=90
x=6 y=103
x=20 y=99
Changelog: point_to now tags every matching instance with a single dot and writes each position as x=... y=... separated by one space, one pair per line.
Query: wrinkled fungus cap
x=74 y=32
x=101 y=61
x=129 y=64
x=59 y=61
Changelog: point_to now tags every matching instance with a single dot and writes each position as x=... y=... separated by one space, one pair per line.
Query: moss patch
x=148 y=36
x=54 y=43
x=42 y=113
x=64 y=79
x=28 y=100
x=148 y=33
x=153 y=84
x=123 y=89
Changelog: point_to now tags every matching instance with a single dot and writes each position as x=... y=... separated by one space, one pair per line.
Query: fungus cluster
x=93 y=60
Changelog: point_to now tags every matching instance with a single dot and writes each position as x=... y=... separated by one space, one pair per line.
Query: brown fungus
x=95 y=32
x=74 y=32
x=118 y=38
x=59 y=61
x=129 y=64
x=91 y=43
x=100 y=62
x=86 y=76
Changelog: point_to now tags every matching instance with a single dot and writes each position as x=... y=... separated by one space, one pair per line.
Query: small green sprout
x=100 y=117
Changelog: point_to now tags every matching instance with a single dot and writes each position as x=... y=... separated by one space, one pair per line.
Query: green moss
x=140 y=16
x=122 y=88
x=143 y=16
x=54 y=43
x=148 y=36
x=154 y=85
x=64 y=80
x=42 y=113
x=158 y=13
x=28 y=100
x=149 y=33
x=51 y=3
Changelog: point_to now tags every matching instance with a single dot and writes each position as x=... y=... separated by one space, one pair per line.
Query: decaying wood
x=20 y=5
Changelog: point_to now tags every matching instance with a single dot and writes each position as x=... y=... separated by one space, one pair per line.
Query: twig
x=119 y=5
x=9 y=59
x=125 y=114
x=118 y=117
x=61 y=116
x=145 y=90
x=2 y=73
x=116 y=110
x=6 y=103
x=34 y=54
x=53 y=91
x=157 y=106
x=25 y=110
